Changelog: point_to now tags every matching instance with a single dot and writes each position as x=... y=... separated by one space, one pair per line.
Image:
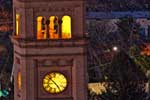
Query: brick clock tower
x=49 y=50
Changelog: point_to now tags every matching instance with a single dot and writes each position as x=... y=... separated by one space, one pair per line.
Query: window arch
x=17 y=24
x=54 y=27
x=41 y=27
x=66 y=27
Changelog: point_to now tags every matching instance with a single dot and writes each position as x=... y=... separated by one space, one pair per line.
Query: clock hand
x=56 y=84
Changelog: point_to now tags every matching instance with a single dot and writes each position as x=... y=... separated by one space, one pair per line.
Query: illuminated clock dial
x=54 y=83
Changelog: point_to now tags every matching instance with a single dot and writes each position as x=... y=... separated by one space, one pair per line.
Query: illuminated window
x=66 y=27
x=41 y=28
x=19 y=80
x=54 y=27
x=17 y=24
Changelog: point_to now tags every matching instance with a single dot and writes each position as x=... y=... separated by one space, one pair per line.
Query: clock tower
x=49 y=50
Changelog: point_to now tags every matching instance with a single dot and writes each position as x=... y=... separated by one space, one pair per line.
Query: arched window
x=17 y=24
x=19 y=83
x=66 y=27
x=54 y=27
x=41 y=27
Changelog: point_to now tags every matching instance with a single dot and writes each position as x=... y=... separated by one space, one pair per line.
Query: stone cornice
x=32 y=43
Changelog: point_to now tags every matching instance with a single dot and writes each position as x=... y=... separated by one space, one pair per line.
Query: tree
x=125 y=78
x=6 y=58
x=129 y=30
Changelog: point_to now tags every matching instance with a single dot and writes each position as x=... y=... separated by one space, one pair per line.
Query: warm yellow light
x=54 y=83
x=19 y=80
x=41 y=34
x=66 y=27
x=17 y=24
x=53 y=33
x=98 y=88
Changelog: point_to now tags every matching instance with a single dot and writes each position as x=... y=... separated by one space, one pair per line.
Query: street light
x=115 y=48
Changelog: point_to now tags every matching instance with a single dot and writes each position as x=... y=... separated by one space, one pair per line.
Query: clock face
x=54 y=83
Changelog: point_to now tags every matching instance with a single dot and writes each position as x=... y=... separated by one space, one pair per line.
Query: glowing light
x=19 y=80
x=54 y=83
x=115 y=48
x=66 y=27
x=4 y=93
x=98 y=88
x=41 y=34
x=146 y=50
x=57 y=28
x=17 y=24
x=53 y=33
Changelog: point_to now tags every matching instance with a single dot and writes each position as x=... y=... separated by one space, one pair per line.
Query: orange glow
x=55 y=30
x=41 y=34
x=19 y=80
x=17 y=24
x=98 y=88
x=146 y=50
x=66 y=27
x=53 y=33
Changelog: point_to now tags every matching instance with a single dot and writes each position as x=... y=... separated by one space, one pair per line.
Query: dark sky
x=118 y=5
x=103 y=5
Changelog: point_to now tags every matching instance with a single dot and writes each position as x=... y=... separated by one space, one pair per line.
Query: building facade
x=49 y=50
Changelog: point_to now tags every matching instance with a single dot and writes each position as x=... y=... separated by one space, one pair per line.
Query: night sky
x=102 y=5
